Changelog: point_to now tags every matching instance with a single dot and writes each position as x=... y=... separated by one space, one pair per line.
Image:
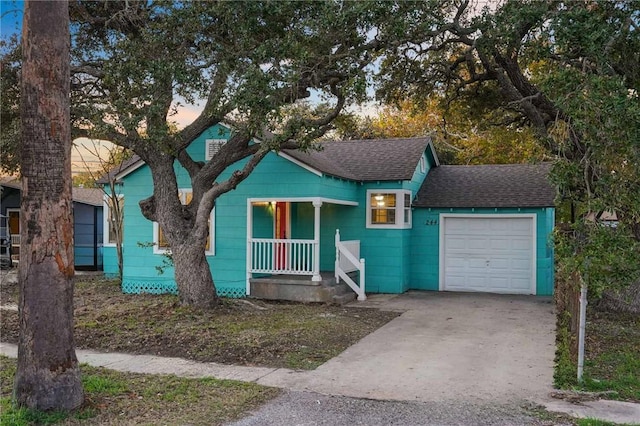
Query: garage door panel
x=521 y=284
x=477 y=226
x=477 y=264
x=521 y=264
x=500 y=283
x=499 y=264
x=459 y=281
x=521 y=226
x=458 y=228
x=488 y=254
x=457 y=243
x=476 y=243
x=476 y=282
x=493 y=225
x=499 y=244
x=521 y=244
x=452 y=263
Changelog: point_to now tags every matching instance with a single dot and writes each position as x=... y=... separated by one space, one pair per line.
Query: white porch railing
x=15 y=239
x=282 y=256
x=347 y=254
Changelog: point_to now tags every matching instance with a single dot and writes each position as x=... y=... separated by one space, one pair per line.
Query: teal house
x=384 y=216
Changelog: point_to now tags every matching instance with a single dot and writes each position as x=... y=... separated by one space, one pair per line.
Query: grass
x=103 y=385
x=596 y=422
x=129 y=399
x=612 y=356
x=624 y=378
x=271 y=334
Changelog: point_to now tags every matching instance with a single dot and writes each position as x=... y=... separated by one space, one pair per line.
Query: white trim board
x=105 y=220
x=302 y=200
x=300 y=163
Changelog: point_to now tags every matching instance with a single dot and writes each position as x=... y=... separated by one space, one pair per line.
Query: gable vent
x=213 y=147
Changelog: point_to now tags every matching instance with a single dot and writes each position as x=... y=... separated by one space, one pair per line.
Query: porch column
x=316 y=241
x=249 y=237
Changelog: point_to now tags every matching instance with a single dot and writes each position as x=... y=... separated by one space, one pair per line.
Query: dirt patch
x=274 y=334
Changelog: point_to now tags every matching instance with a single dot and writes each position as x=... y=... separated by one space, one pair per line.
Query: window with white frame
x=160 y=243
x=213 y=147
x=407 y=209
x=388 y=209
x=110 y=221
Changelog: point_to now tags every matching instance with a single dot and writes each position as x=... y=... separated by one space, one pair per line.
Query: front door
x=282 y=232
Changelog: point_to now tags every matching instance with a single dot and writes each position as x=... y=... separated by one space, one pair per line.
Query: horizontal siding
x=396 y=259
x=110 y=263
x=425 y=255
x=273 y=178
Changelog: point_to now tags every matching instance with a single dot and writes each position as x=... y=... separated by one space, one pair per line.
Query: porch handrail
x=15 y=239
x=343 y=252
x=282 y=256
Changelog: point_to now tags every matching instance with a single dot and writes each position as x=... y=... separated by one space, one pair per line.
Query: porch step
x=301 y=289
x=343 y=299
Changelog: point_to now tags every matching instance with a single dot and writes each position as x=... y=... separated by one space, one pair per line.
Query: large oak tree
x=568 y=70
x=136 y=62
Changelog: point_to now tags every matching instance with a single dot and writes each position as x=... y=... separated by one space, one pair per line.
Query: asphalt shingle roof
x=504 y=185
x=104 y=179
x=366 y=160
x=359 y=160
x=91 y=196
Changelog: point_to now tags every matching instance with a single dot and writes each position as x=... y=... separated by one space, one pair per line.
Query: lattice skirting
x=232 y=292
x=170 y=287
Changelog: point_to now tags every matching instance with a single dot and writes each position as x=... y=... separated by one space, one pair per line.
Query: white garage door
x=489 y=254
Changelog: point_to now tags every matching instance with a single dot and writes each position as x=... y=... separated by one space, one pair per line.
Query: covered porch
x=289 y=245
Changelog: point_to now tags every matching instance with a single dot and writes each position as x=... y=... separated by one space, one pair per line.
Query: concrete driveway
x=445 y=347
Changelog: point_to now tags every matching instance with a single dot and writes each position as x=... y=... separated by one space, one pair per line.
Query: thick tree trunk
x=48 y=376
x=193 y=276
x=187 y=241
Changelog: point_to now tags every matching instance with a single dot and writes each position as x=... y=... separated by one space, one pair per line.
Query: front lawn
x=243 y=332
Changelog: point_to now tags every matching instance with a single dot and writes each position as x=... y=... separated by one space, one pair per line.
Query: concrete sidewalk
x=612 y=411
x=149 y=364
